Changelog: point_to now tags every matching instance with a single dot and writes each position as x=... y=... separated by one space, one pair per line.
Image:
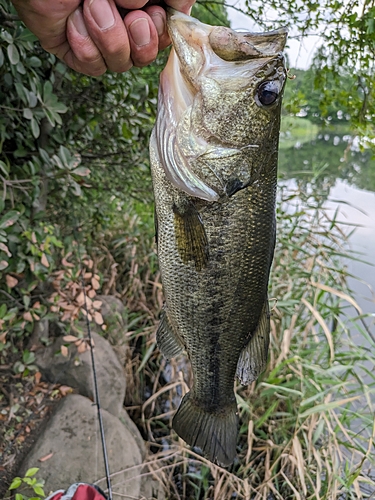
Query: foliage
x=343 y=69
x=28 y=485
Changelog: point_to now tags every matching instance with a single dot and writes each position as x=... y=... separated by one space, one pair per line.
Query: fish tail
x=215 y=433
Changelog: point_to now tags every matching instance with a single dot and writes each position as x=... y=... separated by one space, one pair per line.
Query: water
x=345 y=174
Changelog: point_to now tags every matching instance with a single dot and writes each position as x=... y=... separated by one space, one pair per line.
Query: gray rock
x=112 y=307
x=75 y=370
x=72 y=436
x=133 y=429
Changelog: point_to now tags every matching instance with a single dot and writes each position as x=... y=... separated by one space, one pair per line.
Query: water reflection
x=328 y=156
x=332 y=164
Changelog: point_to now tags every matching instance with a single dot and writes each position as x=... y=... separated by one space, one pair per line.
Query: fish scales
x=214 y=167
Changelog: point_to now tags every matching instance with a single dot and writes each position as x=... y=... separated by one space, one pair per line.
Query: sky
x=300 y=54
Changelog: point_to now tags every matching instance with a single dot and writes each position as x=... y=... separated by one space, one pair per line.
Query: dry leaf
x=2 y=337
x=95 y=284
x=80 y=299
x=82 y=347
x=46 y=457
x=97 y=304
x=65 y=389
x=65 y=263
x=37 y=377
x=64 y=351
x=44 y=260
x=70 y=338
x=36 y=305
x=98 y=318
x=11 y=282
x=27 y=316
x=91 y=293
x=87 y=276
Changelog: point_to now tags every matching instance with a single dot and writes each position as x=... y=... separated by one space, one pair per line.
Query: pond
x=344 y=173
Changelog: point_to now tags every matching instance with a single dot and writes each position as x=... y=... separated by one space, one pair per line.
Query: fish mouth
x=201 y=53
x=227 y=44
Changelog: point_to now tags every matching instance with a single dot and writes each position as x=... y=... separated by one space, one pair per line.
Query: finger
x=159 y=18
x=80 y=52
x=107 y=30
x=143 y=37
x=131 y=4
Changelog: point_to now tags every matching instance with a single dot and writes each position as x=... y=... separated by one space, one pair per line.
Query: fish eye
x=267 y=93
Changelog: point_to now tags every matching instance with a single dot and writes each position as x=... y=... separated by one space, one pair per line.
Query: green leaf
x=35 y=62
x=39 y=491
x=1 y=57
x=47 y=90
x=20 y=497
x=28 y=358
x=27 y=113
x=16 y=483
x=4 y=167
x=9 y=219
x=13 y=54
x=3 y=310
x=35 y=128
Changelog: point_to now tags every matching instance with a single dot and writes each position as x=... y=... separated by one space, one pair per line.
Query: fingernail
x=140 y=32
x=158 y=20
x=102 y=13
x=79 y=23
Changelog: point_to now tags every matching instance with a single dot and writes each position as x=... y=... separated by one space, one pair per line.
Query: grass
x=307 y=425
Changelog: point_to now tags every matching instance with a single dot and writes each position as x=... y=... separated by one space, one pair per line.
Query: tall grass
x=307 y=425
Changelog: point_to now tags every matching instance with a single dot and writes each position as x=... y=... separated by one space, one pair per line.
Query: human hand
x=93 y=38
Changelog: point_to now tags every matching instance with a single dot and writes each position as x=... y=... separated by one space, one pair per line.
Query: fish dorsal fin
x=191 y=238
x=168 y=341
x=253 y=358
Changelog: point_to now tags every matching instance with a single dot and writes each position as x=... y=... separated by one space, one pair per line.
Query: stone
x=75 y=370
x=72 y=438
x=112 y=308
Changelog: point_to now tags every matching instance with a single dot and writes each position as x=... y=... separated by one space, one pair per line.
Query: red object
x=79 y=491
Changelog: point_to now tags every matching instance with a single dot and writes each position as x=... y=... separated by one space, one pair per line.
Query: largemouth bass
x=214 y=155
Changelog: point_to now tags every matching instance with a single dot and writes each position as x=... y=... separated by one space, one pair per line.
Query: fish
x=213 y=155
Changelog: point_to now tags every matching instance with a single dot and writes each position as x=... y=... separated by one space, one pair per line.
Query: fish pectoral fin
x=191 y=236
x=215 y=433
x=168 y=341
x=253 y=358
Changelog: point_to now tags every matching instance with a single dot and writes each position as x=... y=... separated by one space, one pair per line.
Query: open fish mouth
x=201 y=56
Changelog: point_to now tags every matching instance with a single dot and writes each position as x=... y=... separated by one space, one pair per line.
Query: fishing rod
x=96 y=390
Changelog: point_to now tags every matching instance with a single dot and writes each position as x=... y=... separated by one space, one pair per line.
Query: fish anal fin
x=168 y=341
x=215 y=433
x=253 y=358
x=191 y=236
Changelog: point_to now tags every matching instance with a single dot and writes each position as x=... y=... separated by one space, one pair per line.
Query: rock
x=72 y=437
x=133 y=429
x=75 y=370
x=112 y=307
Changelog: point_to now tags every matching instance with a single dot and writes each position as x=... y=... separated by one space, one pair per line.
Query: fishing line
x=96 y=390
